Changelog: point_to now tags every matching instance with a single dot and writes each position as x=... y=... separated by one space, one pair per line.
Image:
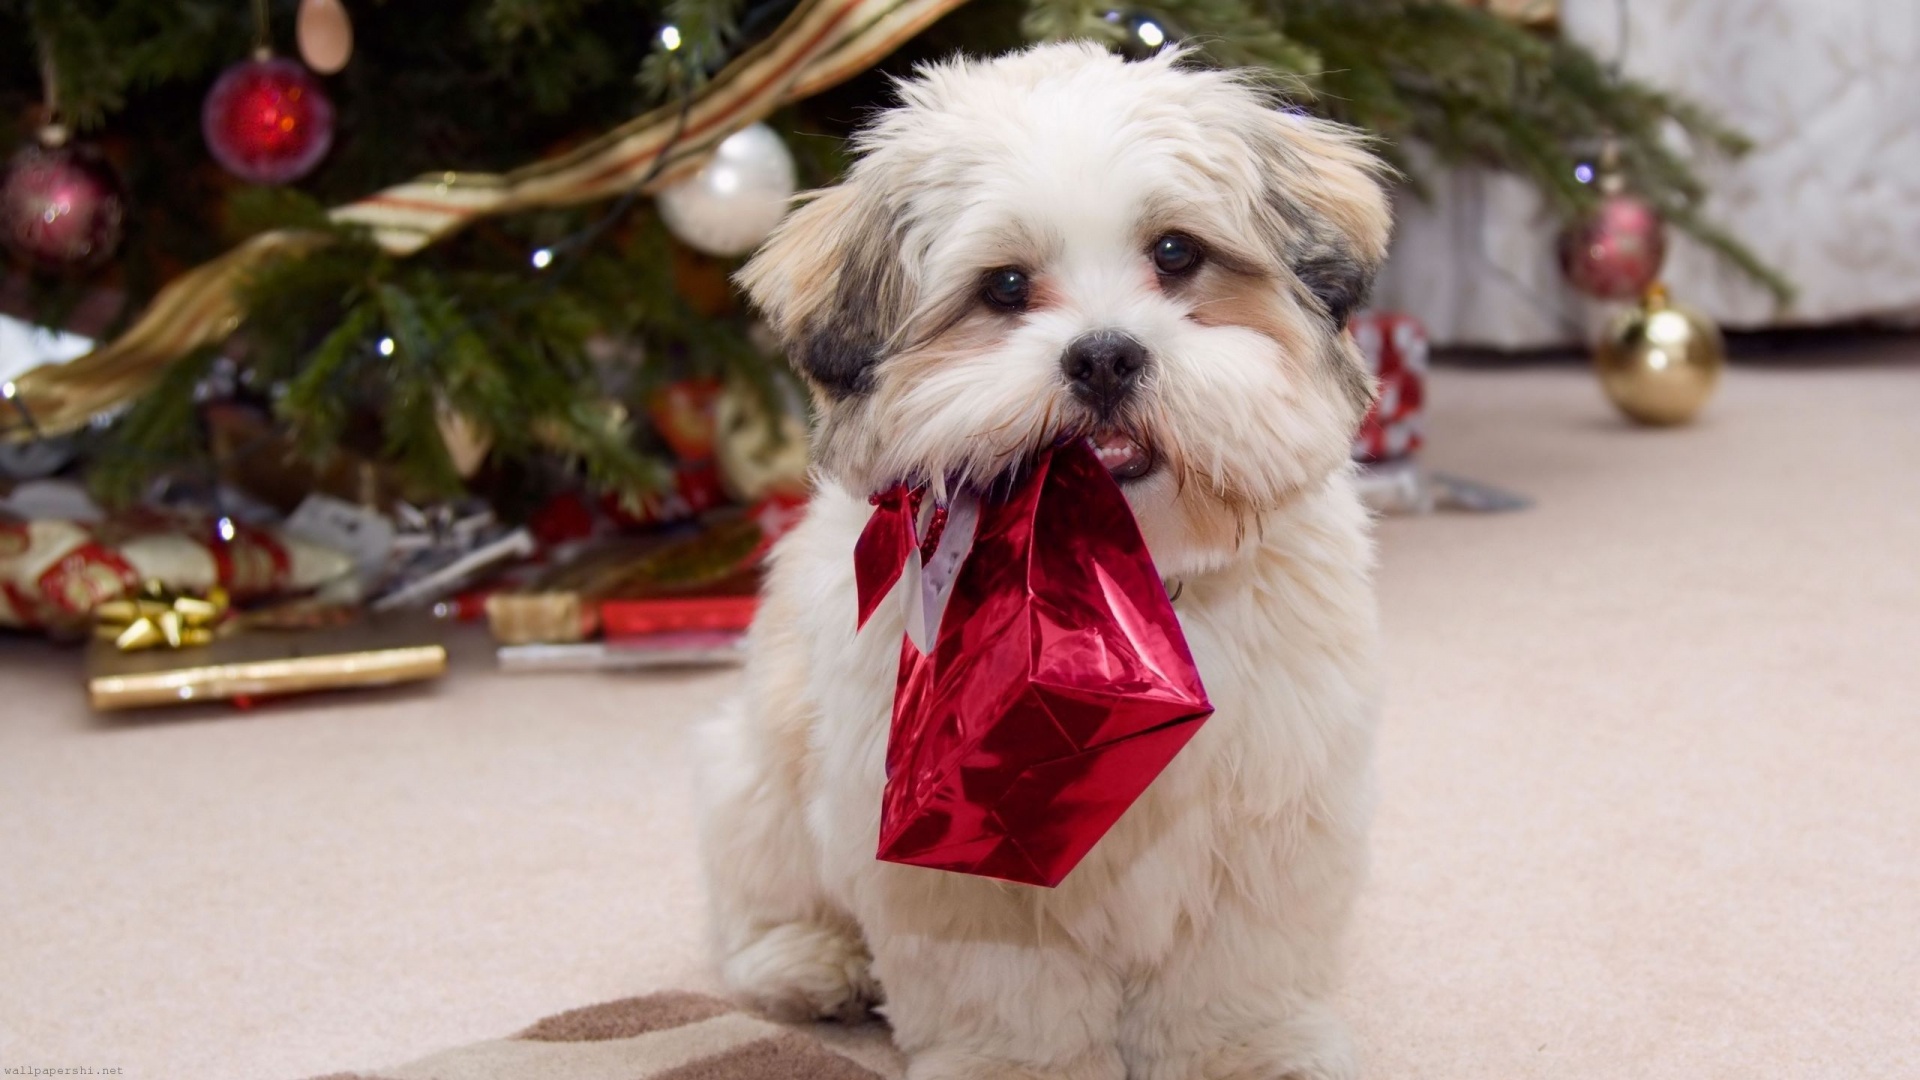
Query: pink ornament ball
x=1615 y=252
x=62 y=208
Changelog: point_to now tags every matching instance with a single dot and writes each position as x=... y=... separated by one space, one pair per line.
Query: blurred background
x=348 y=344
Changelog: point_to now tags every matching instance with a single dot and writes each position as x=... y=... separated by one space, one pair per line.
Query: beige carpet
x=1651 y=771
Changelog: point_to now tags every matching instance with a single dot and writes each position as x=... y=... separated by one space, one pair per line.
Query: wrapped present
x=1044 y=680
x=694 y=580
x=440 y=549
x=245 y=667
x=55 y=572
x=652 y=652
x=678 y=614
x=158 y=617
x=683 y=414
x=526 y=618
x=563 y=519
x=761 y=452
x=693 y=489
x=1396 y=350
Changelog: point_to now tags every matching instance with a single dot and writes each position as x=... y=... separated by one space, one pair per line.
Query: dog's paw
x=805 y=971
x=1312 y=1044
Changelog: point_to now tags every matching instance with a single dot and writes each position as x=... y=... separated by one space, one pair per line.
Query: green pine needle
x=488 y=84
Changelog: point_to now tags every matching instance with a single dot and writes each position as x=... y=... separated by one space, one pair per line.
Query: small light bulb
x=670 y=37
x=1583 y=172
x=226 y=530
x=8 y=390
x=542 y=258
x=1151 y=35
x=386 y=346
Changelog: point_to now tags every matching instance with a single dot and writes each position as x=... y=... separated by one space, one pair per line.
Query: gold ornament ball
x=1660 y=361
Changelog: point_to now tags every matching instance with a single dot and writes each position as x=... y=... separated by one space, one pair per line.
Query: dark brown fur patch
x=839 y=345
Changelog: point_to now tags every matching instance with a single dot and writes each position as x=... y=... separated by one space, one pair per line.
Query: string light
x=385 y=346
x=1150 y=34
x=8 y=390
x=1583 y=172
x=226 y=530
x=670 y=37
x=542 y=258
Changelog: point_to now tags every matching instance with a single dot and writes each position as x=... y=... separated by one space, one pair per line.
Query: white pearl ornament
x=736 y=199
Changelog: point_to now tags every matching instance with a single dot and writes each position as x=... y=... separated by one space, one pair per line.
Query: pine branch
x=161 y=429
x=703 y=29
x=514 y=20
x=1481 y=90
x=103 y=50
x=490 y=84
x=1476 y=88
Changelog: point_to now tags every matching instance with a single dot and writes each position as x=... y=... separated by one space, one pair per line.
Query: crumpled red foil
x=1056 y=684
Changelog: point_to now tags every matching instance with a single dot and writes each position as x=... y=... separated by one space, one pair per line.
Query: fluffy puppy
x=1153 y=256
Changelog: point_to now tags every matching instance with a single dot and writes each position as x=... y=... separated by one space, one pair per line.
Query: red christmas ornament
x=1044 y=679
x=61 y=207
x=1615 y=252
x=683 y=414
x=267 y=120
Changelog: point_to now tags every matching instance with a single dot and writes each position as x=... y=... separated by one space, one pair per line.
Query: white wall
x=1830 y=92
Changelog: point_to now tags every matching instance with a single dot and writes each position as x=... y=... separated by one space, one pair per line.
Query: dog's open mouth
x=1124 y=456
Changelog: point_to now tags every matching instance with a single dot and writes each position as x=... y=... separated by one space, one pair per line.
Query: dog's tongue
x=1122 y=456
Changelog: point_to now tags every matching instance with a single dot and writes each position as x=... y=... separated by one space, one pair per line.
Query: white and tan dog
x=1060 y=242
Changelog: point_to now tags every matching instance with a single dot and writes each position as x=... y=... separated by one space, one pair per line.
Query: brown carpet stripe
x=627 y=1017
x=788 y=1056
x=674 y=1036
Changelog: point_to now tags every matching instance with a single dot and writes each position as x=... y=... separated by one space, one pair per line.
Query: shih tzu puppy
x=1152 y=255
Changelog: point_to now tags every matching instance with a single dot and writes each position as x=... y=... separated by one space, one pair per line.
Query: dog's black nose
x=1103 y=368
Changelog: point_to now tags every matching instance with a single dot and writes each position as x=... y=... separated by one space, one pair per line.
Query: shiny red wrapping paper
x=1058 y=683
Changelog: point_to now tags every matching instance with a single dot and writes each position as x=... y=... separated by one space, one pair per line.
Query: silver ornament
x=737 y=198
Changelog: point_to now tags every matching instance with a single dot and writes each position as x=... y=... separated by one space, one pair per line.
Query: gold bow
x=157 y=616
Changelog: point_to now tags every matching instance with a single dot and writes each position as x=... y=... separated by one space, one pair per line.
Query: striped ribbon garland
x=822 y=43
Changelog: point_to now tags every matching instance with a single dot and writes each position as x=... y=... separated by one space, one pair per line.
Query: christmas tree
x=487 y=226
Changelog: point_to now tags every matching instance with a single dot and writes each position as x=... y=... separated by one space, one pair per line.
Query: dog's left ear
x=830 y=281
x=1331 y=215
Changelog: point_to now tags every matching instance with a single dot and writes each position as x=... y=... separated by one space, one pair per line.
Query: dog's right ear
x=831 y=282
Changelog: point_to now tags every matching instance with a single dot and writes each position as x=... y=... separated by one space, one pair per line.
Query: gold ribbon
x=157 y=616
x=823 y=42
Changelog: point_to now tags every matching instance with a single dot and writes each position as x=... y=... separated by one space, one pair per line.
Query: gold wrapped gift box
x=266 y=663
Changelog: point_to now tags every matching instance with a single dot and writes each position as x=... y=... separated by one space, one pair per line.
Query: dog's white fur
x=1199 y=938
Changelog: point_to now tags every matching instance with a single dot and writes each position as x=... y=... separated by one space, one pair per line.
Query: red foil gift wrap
x=1395 y=347
x=1056 y=685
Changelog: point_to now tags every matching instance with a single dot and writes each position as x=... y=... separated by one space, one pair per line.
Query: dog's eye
x=1008 y=288
x=1174 y=255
